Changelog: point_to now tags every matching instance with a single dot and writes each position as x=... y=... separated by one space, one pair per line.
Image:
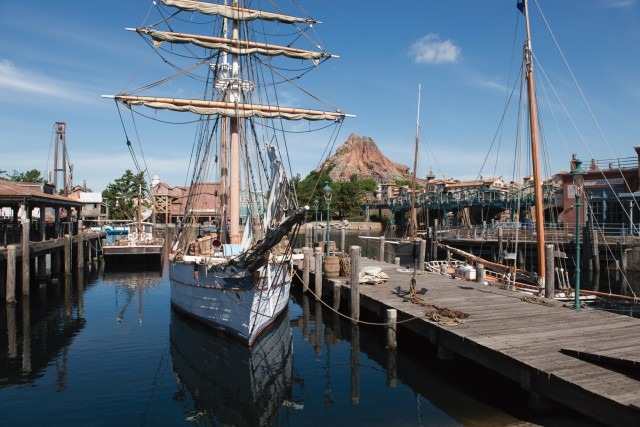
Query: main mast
x=533 y=124
x=234 y=147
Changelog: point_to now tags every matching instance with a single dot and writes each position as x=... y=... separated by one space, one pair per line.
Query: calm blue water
x=106 y=349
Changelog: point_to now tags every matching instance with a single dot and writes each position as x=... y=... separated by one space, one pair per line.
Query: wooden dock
x=587 y=360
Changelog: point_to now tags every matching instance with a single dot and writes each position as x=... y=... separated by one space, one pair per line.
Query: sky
x=58 y=58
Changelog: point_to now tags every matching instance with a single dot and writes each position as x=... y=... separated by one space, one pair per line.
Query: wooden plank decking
x=587 y=360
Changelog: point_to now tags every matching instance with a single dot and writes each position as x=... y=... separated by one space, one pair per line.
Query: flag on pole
x=520 y=6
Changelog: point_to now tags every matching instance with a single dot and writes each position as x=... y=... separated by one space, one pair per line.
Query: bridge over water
x=464 y=206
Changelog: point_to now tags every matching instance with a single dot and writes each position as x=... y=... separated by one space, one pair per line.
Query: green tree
x=310 y=188
x=349 y=196
x=121 y=196
x=32 y=175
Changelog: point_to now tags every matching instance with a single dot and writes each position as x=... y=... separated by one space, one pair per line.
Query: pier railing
x=554 y=232
x=11 y=233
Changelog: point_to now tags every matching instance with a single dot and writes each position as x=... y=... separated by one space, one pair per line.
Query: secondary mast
x=414 y=221
x=533 y=124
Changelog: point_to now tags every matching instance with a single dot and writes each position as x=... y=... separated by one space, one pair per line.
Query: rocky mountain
x=361 y=155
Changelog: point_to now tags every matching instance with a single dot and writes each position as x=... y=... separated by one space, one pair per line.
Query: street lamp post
x=316 y=203
x=366 y=213
x=578 y=180
x=328 y=192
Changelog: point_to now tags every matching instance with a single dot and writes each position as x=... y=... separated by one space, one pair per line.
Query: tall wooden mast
x=533 y=125
x=234 y=148
x=413 y=222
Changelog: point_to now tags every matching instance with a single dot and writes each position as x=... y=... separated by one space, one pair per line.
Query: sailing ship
x=238 y=277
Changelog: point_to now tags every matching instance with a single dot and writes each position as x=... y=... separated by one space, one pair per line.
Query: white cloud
x=619 y=4
x=27 y=82
x=430 y=49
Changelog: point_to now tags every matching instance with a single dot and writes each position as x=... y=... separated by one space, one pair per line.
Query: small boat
x=132 y=239
x=236 y=278
x=229 y=383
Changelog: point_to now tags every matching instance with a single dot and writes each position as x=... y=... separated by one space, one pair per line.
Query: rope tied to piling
x=437 y=314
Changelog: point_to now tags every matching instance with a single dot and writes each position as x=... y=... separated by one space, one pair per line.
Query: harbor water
x=105 y=348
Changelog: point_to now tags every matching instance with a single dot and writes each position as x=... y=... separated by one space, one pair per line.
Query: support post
x=337 y=286
x=67 y=254
x=26 y=257
x=10 y=294
x=480 y=273
x=318 y=276
x=354 y=253
x=391 y=322
x=382 y=241
x=342 y=239
x=423 y=253
x=306 y=268
x=80 y=251
x=550 y=287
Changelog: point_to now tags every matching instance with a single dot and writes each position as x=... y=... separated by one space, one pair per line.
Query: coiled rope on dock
x=533 y=299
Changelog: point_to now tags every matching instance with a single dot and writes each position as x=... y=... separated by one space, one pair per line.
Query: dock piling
x=306 y=268
x=354 y=253
x=318 y=275
x=391 y=321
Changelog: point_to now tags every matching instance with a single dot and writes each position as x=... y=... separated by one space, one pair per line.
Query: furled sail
x=277 y=204
x=228 y=109
x=235 y=47
x=234 y=13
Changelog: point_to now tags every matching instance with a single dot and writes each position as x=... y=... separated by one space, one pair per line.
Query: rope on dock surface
x=436 y=315
x=533 y=299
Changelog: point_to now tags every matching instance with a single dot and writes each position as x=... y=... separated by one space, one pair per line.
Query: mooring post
x=391 y=321
x=26 y=268
x=480 y=273
x=308 y=236
x=396 y=260
x=10 y=294
x=342 y=239
x=67 y=254
x=306 y=267
x=549 y=279
x=354 y=282
x=423 y=254
x=80 y=236
x=318 y=277
x=337 y=287
x=381 y=258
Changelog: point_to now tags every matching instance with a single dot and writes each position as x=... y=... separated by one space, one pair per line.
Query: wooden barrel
x=331 y=266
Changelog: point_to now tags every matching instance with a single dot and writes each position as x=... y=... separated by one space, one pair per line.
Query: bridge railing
x=554 y=232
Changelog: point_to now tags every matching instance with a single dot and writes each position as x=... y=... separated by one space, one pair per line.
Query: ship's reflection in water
x=228 y=382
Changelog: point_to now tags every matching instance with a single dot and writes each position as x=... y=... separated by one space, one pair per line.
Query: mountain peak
x=360 y=155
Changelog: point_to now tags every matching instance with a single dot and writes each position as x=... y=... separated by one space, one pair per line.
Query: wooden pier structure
x=38 y=225
x=587 y=360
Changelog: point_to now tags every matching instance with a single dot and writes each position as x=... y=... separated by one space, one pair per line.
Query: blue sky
x=58 y=58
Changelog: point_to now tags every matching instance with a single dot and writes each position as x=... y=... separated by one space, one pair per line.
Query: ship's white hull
x=241 y=304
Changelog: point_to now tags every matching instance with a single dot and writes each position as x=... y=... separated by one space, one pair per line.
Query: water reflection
x=130 y=281
x=229 y=383
x=46 y=322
